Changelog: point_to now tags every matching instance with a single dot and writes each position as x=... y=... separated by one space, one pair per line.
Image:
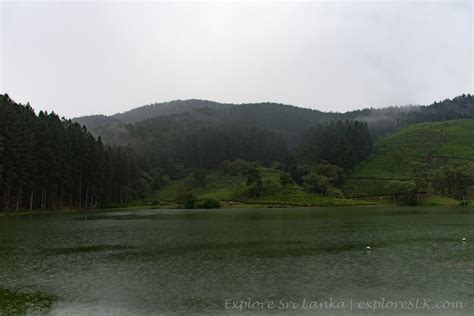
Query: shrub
x=253 y=176
x=334 y=193
x=285 y=179
x=209 y=203
x=187 y=198
x=315 y=183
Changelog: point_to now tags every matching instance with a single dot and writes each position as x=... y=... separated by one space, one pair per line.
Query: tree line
x=49 y=162
x=341 y=143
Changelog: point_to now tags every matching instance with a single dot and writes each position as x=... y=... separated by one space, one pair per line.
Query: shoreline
x=236 y=207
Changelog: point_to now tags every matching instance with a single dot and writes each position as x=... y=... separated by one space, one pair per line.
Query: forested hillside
x=48 y=162
x=288 y=121
x=168 y=108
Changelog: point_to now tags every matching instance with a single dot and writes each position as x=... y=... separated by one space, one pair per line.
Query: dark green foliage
x=162 y=143
x=187 y=199
x=2 y=149
x=297 y=172
x=209 y=203
x=405 y=189
x=253 y=175
x=47 y=162
x=341 y=143
x=334 y=173
x=229 y=168
x=236 y=167
x=452 y=181
x=200 y=177
x=334 y=192
x=256 y=188
x=287 y=121
x=159 y=178
x=286 y=180
x=316 y=183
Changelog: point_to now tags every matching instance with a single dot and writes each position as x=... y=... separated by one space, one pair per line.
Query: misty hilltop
x=288 y=121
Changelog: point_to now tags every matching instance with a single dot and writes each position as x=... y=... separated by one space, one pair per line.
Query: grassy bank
x=233 y=191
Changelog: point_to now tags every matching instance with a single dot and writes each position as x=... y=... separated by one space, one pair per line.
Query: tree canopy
x=49 y=162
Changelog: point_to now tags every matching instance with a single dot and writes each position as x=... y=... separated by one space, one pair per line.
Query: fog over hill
x=289 y=121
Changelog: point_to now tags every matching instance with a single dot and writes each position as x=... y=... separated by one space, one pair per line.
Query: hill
x=289 y=121
x=256 y=153
x=98 y=122
x=421 y=152
x=168 y=108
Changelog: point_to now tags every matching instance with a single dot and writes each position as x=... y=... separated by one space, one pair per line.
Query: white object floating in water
x=464 y=239
x=368 y=248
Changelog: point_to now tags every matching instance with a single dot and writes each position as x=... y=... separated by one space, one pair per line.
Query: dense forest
x=288 y=121
x=342 y=143
x=48 y=162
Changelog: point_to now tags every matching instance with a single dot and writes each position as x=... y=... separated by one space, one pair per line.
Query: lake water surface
x=285 y=261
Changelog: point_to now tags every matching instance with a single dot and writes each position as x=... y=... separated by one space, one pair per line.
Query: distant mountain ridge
x=150 y=111
x=168 y=108
x=289 y=121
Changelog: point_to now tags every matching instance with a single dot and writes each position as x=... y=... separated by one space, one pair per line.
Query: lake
x=240 y=261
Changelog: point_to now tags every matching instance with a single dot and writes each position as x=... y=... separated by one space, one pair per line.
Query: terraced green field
x=424 y=145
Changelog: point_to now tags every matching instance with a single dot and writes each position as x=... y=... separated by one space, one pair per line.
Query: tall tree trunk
x=80 y=191
x=32 y=197
x=42 y=197
x=18 y=200
x=53 y=199
x=61 y=199
x=87 y=199
x=6 y=200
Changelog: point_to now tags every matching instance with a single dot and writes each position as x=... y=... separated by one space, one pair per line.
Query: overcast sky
x=100 y=57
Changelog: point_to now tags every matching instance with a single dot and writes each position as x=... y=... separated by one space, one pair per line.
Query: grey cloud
x=98 y=57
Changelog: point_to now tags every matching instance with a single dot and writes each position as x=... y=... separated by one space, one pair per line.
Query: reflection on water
x=180 y=261
x=16 y=303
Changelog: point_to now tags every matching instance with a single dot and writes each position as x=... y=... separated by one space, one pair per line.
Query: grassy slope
x=234 y=188
x=426 y=143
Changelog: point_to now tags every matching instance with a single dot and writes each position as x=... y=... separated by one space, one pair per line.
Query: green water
x=190 y=261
